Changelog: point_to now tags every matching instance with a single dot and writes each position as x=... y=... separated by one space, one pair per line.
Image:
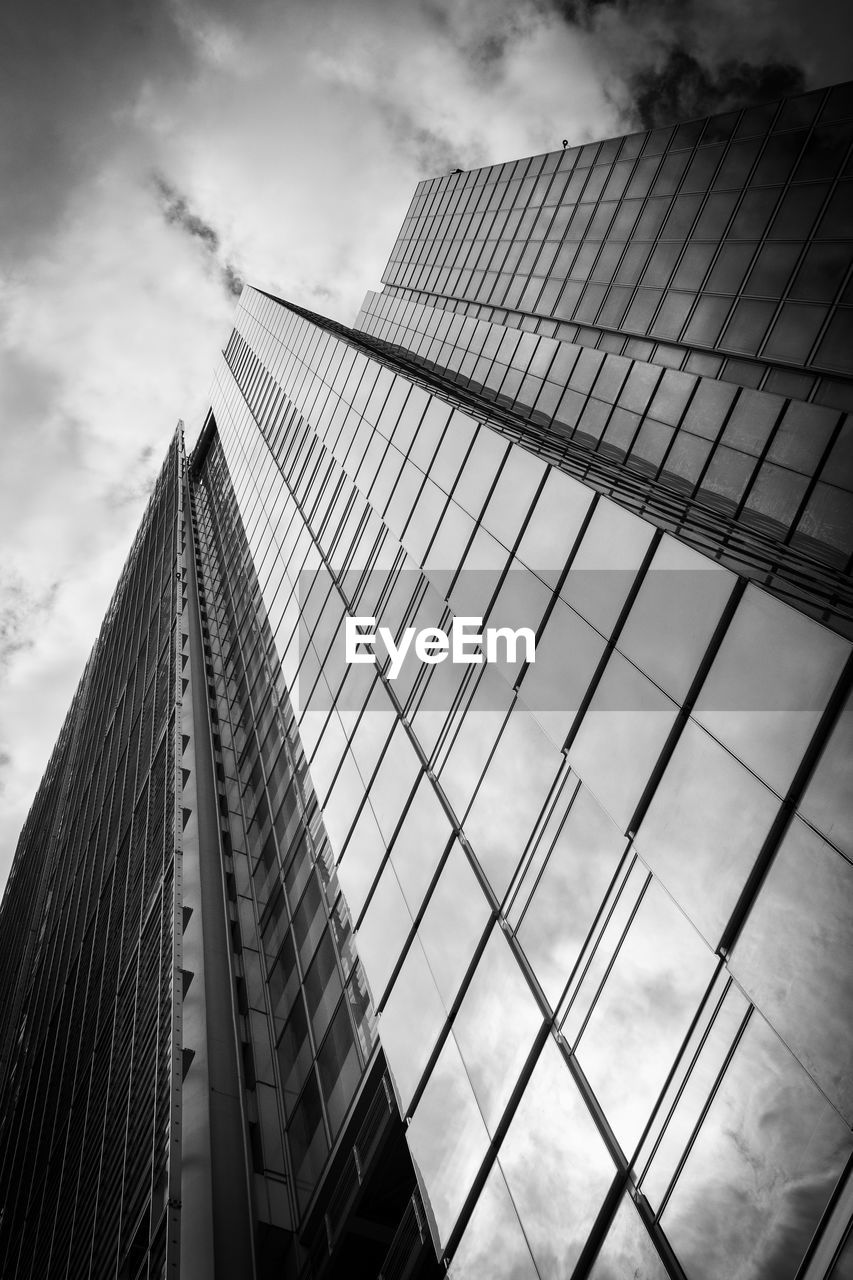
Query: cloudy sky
x=157 y=152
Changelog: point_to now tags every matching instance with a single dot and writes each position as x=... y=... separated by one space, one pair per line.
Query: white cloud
x=297 y=134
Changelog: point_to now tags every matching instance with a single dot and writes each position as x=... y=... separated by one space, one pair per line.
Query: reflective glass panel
x=704 y=828
x=569 y=893
x=521 y=602
x=447 y=1140
x=620 y=737
x=322 y=987
x=307 y=1140
x=627 y=1251
x=761 y=1170
x=826 y=801
x=410 y=1023
x=650 y=996
x=493 y=1244
x=375 y=725
x=794 y=957
x=517 y=780
x=605 y=564
x=453 y=923
x=294 y=1053
x=556 y=1166
x=495 y=1027
x=460 y=773
x=479 y=471
x=339 y=1067
x=566 y=657
x=512 y=495
x=769 y=684
x=394 y=780
x=420 y=842
x=674 y=615
x=692 y=1083
x=361 y=860
x=383 y=932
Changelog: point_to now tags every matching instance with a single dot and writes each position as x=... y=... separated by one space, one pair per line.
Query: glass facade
x=538 y=966
x=91 y=925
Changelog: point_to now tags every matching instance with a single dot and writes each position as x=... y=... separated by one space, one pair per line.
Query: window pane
x=512 y=495
x=634 y=1023
x=554 y=526
x=674 y=615
x=322 y=987
x=447 y=1140
x=410 y=1023
x=708 y=804
x=495 y=1027
x=769 y=1195
x=795 y=958
x=567 y=656
x=339 y=1067
x=461 y=771
x=747 y=327
x=510 y=797
x=493 y=1244
x=605 y=564
x=294 y=1054
x=420 y=842
x=794 y=332
x=620 y=737
x=307 y=1140
x=383 y=932
x=569 y=893
x=556 y=1165
x=361 y=860
x=826 y=802
x=627 y=1249
x=769 y=684
x=453 y=923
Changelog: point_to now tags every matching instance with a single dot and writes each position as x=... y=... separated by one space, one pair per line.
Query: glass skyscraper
x=379 y=960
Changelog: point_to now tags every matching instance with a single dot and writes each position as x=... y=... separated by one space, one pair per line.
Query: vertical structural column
x=173 y=1202
x=217 y=1241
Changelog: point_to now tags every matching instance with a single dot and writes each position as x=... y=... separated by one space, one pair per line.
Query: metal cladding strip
x=173 y=1202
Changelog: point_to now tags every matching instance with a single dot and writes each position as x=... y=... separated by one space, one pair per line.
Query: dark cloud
x=232 y=281
x=177 y=212
x=432 y=152
x=486 y=33
x=682 y=89
x=68 y=72
x=21 y=611
x=136 y=483
x=668 y=60
x=430 y=149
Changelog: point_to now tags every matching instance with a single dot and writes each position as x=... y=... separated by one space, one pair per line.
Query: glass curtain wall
x=88 y=927
x=565 y=876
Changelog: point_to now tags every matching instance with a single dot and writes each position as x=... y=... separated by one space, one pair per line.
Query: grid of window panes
x=776 y=465
x=603 y=900
x=308 y=1014
x=728 y=238
x=833 y=391
x=28 y=875
x=85 y=1130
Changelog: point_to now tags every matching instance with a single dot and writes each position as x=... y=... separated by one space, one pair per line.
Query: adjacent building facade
x=531 y=968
